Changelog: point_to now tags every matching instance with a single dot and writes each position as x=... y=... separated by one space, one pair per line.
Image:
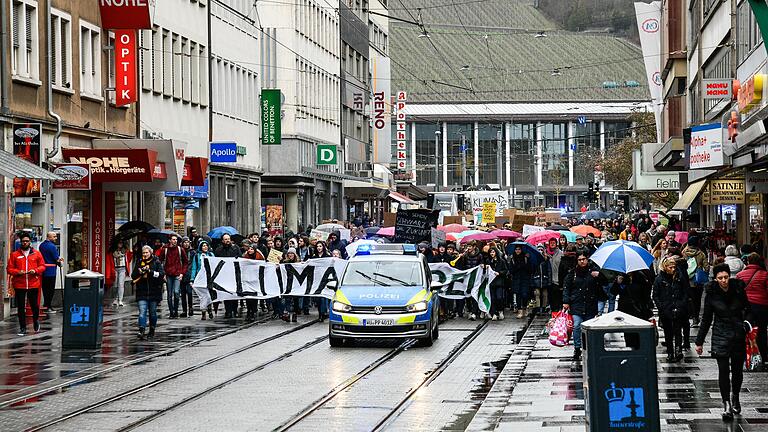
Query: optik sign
x=223 y=152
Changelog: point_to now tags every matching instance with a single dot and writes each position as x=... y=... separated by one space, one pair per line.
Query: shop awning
x=402 y=199
x=15 y=167
x=690 y=194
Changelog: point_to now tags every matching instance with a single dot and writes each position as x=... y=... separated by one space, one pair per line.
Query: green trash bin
x=83 y=311
x=621 y=391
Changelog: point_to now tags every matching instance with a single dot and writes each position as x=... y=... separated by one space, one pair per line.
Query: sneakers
x=494 y=318
x=501 y=315
x=472 y=317
x=727 y=411
x=22 y=332
x=151 y=332
x=142 y=330
x=114 y=303
x=183 y=315
x=576 y=354
x=36 y=326
x=519 y=314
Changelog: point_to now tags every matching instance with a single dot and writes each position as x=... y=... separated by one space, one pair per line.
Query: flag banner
x=235 y=279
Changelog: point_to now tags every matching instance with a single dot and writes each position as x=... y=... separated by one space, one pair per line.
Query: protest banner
x=319 y=235
x=414 y=226
x=223 y=279
x=530 y=229
x=438 y=237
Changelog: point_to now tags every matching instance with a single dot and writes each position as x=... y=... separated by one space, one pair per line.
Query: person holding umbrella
x=581 y=292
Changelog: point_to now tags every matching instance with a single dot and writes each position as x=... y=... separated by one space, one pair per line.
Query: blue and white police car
x=386 y=292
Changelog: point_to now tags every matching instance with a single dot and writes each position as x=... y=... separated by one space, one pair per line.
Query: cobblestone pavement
x=545 y=392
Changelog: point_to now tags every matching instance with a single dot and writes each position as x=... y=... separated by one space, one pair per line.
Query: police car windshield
x=383 y=273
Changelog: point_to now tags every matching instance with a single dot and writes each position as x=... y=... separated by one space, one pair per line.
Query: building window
x=459 y=172
x=694 y=95
x=615 y=132
x=111 y=69
x=587 y=139
x=90 y=60
x=25 y=55
x=553 y=154
x=490 y=153
x=748 y=33
x=522 y=146
x=61 y=38
x=695 y=19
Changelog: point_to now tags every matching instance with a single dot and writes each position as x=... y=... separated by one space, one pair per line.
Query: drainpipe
x=4 y=72
x=55 y=150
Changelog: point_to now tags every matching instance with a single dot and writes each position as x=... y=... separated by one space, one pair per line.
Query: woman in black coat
x=727 y=305
x=634 y=291
x=520 y=270
x=148 y=277
x=581 y=292
x=670 y=293
x=498 y=265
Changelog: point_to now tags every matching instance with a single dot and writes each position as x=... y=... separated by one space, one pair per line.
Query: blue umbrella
x=219 y=232
x=594 y=214
x=534 y=256
x=622 y=256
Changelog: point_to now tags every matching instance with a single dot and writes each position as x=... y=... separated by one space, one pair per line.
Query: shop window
x=78 y=238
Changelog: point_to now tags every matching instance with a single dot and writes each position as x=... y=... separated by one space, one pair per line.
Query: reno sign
x=651 y=25
x=126 y=14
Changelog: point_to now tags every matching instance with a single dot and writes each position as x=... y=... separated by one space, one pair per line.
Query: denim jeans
x=577 y=320
x=145 y=305
x=611 y=302
x=173 y=286
x=322 y=305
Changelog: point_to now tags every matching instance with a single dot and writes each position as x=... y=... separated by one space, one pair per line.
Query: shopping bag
x=754 y=360
x=558 y=331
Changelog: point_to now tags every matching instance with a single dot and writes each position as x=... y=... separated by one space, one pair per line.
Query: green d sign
x=326 y=154
x=270 y=117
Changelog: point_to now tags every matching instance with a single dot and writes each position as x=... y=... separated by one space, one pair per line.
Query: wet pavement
x=541 y=389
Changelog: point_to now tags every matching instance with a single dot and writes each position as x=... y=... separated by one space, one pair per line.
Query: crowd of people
x=689 y=286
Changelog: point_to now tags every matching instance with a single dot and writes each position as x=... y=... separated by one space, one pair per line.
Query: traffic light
x=596 y=197
x=590 y=191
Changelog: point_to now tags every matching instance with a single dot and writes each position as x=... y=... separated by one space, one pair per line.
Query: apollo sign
x=126 y=14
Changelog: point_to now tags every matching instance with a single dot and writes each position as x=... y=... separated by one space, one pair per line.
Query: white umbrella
x=330 y=227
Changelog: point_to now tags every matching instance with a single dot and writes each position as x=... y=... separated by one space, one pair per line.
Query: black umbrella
x=163 y=235
x=557 y=227
x=137 y=225
x=594 y=214
x=371 y=230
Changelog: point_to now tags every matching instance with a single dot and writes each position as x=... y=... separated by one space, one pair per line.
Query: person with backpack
x=698 y=275
x=174 y=261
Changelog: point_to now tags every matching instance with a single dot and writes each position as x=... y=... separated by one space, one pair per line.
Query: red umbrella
x=486 y=236
x=388 y=232
x=681 y=237
x=542 y=237
x=507 y=234
x=453 y=228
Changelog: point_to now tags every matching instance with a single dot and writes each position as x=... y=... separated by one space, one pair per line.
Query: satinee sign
x=126 y=14
x=706 y=146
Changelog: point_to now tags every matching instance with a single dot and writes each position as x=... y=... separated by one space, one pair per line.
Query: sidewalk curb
x=488 y=416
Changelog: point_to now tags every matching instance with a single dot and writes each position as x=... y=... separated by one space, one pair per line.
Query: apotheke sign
x=706 y=146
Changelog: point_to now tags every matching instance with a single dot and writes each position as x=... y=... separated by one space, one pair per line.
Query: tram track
x=138 y=389
x=400 y=406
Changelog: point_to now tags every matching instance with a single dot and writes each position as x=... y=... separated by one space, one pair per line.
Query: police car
x=386 y=292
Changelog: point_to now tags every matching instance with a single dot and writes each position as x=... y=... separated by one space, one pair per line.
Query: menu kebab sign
x=125 y=17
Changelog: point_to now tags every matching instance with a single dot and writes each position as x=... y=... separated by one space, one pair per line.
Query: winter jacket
x=468 y=261
x=670 y=294
x=339 y=244
x=725 y=311
x=51 y=257
x=18 y=262
x=231 y=251
x=635 y=297
x=543 y=275
x=440 y=258
x=733 y=259
x=174 y=260
x=554 y=263
x=701 y=257
x=499 y=266
x=148 y=284
x=581 y=292
x=567 y=263
x=756 y=280
x=520 y=271
x=196 y=260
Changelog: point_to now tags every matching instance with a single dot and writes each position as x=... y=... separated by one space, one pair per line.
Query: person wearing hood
x=733 y=259
x=442 y=255
x=425 y=249
x=186 y=282
x=335 y=242
x=634 y=291
x=581 y=292
x=725 y=308
x=697 y=261
x=196 y=264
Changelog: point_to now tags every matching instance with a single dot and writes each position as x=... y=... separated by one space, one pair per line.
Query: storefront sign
x=115 y=165
x=751 y=92
x=160 y=172
x=706 y=146
x=26 y=145
x=97 y=229
x=200 y=192
x=180 y=221
x=270 y=117
x=717 y=88
x=726 y=192
x=754 y=199
x=125 y=67
x=223 y=152
x=126 y=14
x=380 y=115
x=757 y=182
x=326 y=154
x=195 y=171
x=75 y=177
x=402 y=154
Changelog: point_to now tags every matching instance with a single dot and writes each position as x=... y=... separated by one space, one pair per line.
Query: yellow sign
x=726 y=192
x=489 y=212
x=751 y=92
x=755 y=199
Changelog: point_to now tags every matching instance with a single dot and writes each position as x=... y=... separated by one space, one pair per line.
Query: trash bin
x=83 y=312
x=621 y=391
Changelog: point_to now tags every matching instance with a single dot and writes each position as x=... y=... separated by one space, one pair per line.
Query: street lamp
x=437 y=159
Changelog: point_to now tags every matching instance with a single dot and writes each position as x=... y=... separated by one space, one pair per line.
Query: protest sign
x=438 y=237
x=489 y=212
x=389 y=219
x=319 y=235
x=447 y=220
x=530 y=229
x=414 y=226
x=274 y=256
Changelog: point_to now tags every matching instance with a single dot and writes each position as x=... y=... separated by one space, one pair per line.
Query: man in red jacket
x=26 y=267
x=174 y=261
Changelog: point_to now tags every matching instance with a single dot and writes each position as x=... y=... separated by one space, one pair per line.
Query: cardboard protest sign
x=438 y=237
x=274 y=256
x=489 y=212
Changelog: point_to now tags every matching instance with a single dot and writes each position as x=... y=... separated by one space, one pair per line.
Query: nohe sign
x=126 y=14
x=125 y=67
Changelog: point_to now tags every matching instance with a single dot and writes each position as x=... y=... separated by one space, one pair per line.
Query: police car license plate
x=379 y=322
